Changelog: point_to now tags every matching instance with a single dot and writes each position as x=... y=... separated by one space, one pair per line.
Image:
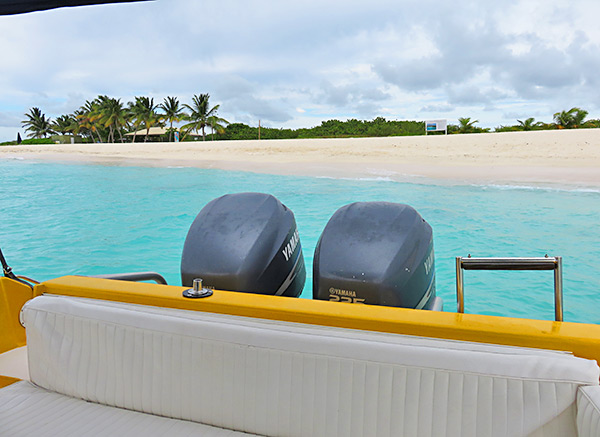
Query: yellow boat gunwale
x=5 y=381
x=13 y=296
x=583 y=340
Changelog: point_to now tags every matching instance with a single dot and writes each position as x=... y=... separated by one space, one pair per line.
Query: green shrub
x=29 y=141
x=38 y=141
x=379 y=127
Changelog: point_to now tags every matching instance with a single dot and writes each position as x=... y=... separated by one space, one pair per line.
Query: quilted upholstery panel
x=588 y=411
x=270 y=379
x=26 y=411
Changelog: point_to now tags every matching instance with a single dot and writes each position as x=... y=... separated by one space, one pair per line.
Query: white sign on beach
x=436 y=125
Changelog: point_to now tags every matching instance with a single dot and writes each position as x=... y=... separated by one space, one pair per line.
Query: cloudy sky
x=295 y=64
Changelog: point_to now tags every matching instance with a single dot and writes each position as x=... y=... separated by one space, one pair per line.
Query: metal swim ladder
x=540 y=263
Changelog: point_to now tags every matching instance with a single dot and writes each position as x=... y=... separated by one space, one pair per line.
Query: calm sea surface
x=59 y=219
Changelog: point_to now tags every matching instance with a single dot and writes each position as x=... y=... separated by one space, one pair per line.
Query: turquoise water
x=58 y=219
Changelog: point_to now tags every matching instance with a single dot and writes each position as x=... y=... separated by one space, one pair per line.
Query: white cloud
x=9 y=119
x=437 y=108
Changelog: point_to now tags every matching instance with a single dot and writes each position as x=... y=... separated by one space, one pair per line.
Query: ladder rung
x=545 y=263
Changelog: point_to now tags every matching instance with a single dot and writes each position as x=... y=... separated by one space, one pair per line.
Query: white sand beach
x=558 y=157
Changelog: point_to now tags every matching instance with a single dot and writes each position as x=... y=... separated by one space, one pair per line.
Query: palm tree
x=579 y=116
x=200 y=114
x=64 y=124
x=112 y=115
x=466 y=125
x=143 y=113
x=173 y=112
x=37 y=124
x=134 y=116
x=81 y=127
x=217 y=125
x=528 y=124
x=572 y=118
x=88 y=116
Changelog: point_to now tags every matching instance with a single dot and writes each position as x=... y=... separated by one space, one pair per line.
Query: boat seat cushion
x=280 y=378
x=588 y=411
x=27 y=410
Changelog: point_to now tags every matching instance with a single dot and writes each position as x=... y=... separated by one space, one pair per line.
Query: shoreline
x=568 y=158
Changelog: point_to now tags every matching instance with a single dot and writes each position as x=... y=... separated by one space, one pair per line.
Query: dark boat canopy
x=10 y=7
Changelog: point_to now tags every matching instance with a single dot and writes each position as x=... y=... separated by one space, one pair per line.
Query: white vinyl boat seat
x=588 y=410
x=30 y=411
x=131 y=364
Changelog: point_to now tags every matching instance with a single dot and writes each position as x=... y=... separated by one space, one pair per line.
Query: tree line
x=379 y=127
x=573 y=118
x=106 y=119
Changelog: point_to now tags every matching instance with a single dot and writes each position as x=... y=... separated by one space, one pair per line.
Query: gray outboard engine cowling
x=245 y=242
x=377 y=253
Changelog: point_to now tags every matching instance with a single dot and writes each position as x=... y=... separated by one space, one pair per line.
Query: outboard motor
x=245 y=242
x=377 y=253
